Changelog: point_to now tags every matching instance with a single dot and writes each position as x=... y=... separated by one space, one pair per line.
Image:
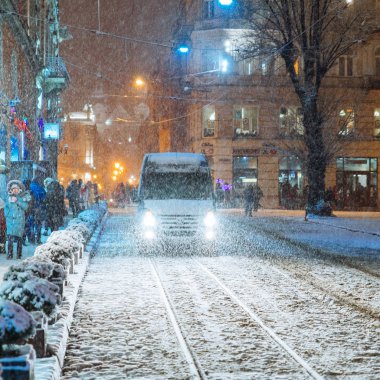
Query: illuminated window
x=245 y=121
x=376 y=116
x=346 y=122
x=291 y=121
x=208 y=8
x=297 y=66
x=208 y=121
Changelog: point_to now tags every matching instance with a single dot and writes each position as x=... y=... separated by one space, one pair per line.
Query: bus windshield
x=166 y=185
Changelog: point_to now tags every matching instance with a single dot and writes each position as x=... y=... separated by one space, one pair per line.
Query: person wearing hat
x=3 y=227
x=15 y=208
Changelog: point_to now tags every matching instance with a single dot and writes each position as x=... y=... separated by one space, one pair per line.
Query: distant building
x=79 y=154
x=244 y=114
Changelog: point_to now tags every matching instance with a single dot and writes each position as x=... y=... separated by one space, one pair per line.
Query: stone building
x=244 y=115
x=32 y=75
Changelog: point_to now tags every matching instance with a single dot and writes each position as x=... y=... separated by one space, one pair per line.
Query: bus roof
x=173 y=161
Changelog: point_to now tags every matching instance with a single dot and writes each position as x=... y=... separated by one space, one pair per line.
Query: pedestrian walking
x=72 y=194
x=83 y=197
x=55 y=206
x=3 y=228
x=257 y=195
x=38 y=194
x=248 y=200
x=15 y=208
x=91 y=193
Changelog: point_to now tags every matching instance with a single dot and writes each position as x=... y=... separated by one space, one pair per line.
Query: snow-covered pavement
x=266 y=306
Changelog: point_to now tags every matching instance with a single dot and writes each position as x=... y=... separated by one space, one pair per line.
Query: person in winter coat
x=38 y=208
x=72 y=194
x=248 y=200
x=91 y=194
x=257 y=195
x=55 y=204
x=15 y=208
x=3 y=227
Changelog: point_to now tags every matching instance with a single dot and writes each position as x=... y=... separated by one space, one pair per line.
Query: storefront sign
x=51 y=131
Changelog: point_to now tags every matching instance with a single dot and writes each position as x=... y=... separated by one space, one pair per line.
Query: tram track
x=186 y=344
x=304 y=272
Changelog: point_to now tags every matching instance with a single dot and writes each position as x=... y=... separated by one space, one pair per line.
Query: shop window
x=376 y=116
x=346 y=66
x=244 y=173
x=346 y=122
x=245 y=120
x=290 y=181
x=291 y=121
x=356 y=184
x=208 y=121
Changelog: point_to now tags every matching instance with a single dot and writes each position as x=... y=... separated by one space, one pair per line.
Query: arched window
x=14 y=74
x=377 y=62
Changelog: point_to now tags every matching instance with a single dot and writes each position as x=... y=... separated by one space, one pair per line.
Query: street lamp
x=226 y=3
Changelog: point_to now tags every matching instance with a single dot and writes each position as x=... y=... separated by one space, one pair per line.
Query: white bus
x=176 y=199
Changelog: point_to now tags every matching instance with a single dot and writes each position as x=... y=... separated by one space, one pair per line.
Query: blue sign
x=51 y=131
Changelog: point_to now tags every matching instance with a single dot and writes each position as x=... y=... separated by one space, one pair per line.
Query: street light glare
x=183 y=49
x=139 y=82
x=225 y=2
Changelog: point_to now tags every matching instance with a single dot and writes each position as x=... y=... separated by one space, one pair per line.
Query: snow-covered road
x=260 y=308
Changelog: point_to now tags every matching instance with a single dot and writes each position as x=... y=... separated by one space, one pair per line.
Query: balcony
x=56 y=76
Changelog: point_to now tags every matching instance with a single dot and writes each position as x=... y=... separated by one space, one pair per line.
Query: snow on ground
x=325 y=311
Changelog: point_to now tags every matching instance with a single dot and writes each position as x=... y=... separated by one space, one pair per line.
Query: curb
x=57 y=336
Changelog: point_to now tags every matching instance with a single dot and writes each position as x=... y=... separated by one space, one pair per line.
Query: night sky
x=113 y=60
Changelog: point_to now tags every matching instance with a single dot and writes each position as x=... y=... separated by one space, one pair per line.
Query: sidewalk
x=352 y=234
x=27 y=251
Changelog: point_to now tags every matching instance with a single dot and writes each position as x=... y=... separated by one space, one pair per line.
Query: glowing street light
x=226 y=3
x=117 y=165
x=139 y=82
x=184 y=49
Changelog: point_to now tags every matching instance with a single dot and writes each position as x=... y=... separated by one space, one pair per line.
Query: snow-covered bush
x=55 y=253
x=16 y=323
x=35 y=294
x=37 y=268
x=322 y=208
x=90 y=216
x=58 y=272
x=65 y=241
x=79 y=226
x=72 y=234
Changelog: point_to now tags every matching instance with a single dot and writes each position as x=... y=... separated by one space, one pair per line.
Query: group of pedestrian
x=122 y=195
x=29 y=206
x=81 y=195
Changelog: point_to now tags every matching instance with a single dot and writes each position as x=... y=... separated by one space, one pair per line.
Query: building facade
x=32 y=75
x=244 y=115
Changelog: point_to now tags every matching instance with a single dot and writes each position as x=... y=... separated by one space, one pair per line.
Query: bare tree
x=309 y=36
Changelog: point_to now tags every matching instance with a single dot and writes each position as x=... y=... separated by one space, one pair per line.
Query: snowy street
x=280 y=299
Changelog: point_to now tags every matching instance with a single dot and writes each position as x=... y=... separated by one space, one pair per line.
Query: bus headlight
x=210 y=219
x=149 y=220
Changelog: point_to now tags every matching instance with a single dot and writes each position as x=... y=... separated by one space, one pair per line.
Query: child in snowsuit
x=3 y=227
x=16 y=206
